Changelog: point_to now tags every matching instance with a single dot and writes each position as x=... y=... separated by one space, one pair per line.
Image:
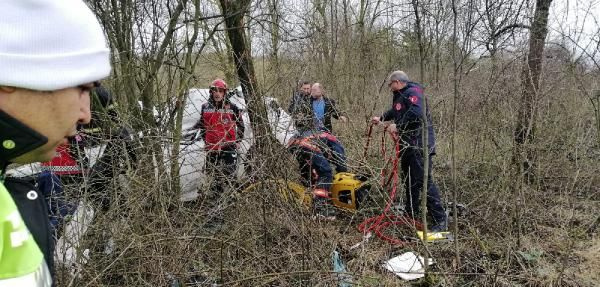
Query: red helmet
x=218 y=84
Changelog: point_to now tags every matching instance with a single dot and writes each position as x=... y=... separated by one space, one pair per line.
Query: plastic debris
x=436 y=236
x=68 y=251
x=408 y=266
x=365 y=239
x=344 y=279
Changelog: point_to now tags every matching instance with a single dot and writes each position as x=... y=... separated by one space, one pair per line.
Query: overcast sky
x=579 y=20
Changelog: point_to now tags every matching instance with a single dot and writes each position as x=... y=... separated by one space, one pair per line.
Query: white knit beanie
x=48 y=45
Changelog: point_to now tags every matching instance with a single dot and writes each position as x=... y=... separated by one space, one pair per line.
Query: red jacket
x=65 y=161
x=220 y=125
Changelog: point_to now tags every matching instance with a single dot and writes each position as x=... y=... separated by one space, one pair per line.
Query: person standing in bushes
x=222 y=128
x=107 y=128
x=324 y=109
x=46 y=76
x=300 y=97
x=407 y=112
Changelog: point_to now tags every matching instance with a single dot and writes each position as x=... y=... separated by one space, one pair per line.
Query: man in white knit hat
x=51 y=53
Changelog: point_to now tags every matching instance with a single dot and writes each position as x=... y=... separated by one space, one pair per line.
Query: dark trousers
x=411 y=161
x=59 y=207
x=101 y=176
x=220 y=167
x=337 y=155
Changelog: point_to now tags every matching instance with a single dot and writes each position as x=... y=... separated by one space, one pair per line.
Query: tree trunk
x=234 y=12
x=420 y=43
x=189 y=66
x=530 y=80
x=456 y=91
x=524 y=157
x=275 y=10
x=424 y=134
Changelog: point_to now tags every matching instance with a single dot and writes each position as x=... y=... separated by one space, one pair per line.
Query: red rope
x=379 y=224
x=368 y=142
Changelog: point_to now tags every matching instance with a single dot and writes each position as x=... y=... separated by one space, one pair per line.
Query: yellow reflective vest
x=21 y=261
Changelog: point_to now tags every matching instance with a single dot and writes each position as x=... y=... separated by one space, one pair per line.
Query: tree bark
x=424 y=127
x=234 y=12
x=530 y=81
x=190 y=59
x=524 y=156
x=420 y=41
x=456 y=91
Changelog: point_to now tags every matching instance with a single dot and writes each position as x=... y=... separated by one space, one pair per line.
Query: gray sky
x=576 y=22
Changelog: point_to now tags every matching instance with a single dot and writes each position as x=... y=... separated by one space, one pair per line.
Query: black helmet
x=104 y=96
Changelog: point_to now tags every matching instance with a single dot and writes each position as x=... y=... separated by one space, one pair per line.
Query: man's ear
x=7 y=90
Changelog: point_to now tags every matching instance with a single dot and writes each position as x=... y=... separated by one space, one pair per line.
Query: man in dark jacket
x=406 y=112
x=45 y=81
x=300 y=97
x=106 y=128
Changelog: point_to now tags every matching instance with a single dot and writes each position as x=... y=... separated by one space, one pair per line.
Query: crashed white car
x=192 y=156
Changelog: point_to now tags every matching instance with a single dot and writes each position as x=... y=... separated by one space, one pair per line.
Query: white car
x=192 y=156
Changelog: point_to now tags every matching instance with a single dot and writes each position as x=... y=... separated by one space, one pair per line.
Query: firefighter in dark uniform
x=107 y=128
x=222 y=128
x=406 y=112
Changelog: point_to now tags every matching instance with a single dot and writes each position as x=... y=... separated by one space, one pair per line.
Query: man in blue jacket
x=407 y=112
x=324 y=109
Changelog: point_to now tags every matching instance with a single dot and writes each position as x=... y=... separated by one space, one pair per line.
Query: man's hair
x=398 y=76
x=303 y=82
x=104 y=96
x=320 y=87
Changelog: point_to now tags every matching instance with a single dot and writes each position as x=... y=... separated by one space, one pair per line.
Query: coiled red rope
x=379 y=224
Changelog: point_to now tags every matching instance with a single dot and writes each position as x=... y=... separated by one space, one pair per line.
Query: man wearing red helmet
x=222 y=128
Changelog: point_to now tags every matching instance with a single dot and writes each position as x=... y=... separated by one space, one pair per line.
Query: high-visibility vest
x=21 y=260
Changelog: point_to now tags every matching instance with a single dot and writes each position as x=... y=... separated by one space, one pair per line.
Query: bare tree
x=524 y=135
x=467 y=52
x=234 y=12
x=421 y=45
x=530 y=76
